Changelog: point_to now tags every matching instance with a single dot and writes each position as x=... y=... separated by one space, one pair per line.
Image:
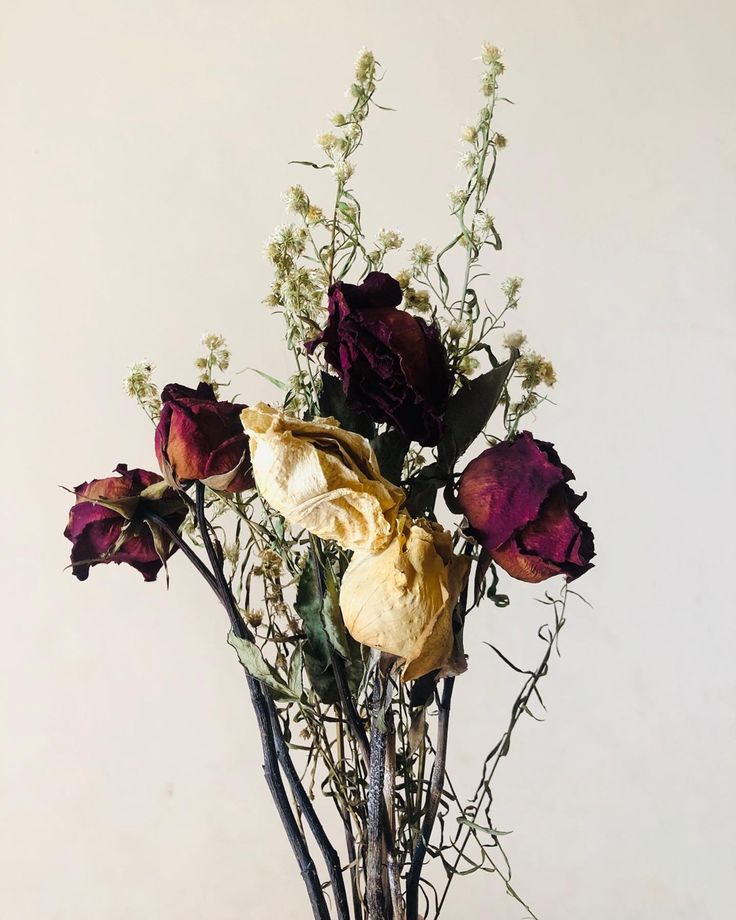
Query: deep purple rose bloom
x=107 y=525
x=521 y=510
x=393 y=365
x=198 y=437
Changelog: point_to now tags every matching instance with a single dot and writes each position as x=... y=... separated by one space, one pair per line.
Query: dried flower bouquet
x=317 y=522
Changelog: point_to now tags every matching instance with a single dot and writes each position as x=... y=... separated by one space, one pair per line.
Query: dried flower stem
x=437 y=782
x=374 y=866
x=265 y=727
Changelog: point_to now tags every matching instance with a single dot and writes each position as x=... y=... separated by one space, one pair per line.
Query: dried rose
x=322 y=477
x=401 y=600
x=199 y=437
x=392 y=364
x=108 y=524
x=521 y=510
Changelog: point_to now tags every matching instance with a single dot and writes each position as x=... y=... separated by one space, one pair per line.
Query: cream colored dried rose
x=322 y=477
x=401 y=600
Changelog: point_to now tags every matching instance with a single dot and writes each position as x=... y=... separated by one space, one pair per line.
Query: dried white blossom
x=490 y=53
x=456 y=330
x=418 y=301
x=330 y=142
x=404 y=278
x=139 y=386
x=365 y=66
x=421 y=254
x=458 y=197
x=488 y=84
x=514 y=339
x=535 y=369
x=389 y=239
x=469 y=365
x=468 y=161
x=482 y=222
x=296 y=200
x=343 y=170
x=511 y=287
x=470 y=134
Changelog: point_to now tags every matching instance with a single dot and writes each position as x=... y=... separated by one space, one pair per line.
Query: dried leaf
x=256 y=665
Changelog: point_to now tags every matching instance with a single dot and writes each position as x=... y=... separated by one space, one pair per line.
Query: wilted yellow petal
x=322 y=477
x=401 y=600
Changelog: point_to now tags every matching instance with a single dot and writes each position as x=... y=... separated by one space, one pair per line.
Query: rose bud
x=200 y=438
x=402 y=599
x=392 y=364
x=108 y=524
x=322 y=478
x=521 y=510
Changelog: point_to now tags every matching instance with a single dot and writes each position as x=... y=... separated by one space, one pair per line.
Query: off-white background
x=144 y=147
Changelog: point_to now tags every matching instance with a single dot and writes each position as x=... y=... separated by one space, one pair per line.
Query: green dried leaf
x=485 y=830
x=326 y=633
x=332 y=617
x=417 y=729
x=308 y=163
x=390 y=449
x=309 y=607
x=469 y=410
x=332 y=401
x=296 y=664
x=274 y=380
x=256 y=665
x=422 y=490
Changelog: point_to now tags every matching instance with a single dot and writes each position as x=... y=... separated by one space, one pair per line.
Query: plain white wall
x=144 y=149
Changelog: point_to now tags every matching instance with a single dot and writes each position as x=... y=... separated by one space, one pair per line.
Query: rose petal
x=503 y=489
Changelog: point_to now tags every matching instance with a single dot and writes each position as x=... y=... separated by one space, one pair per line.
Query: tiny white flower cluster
x=511 y=288
x=217 y=357
x=417 y=300
x=297 y=289
x=343 y=170
x=389 y=239
x=480 y=137
x=339 y=147
x=297 y=200
x=140 y=386
x=421 y=255
x=456 y=331
x=458 y=198
x=365 y=67
x=514 y=339
x=535 y=369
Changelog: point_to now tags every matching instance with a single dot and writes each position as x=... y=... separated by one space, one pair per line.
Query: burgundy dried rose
x=198 y=437
x=107 y=523
x=392 y=364
x=521 y=510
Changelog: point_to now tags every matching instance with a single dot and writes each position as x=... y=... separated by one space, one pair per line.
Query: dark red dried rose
x=521 y=510
x=393 y=365
x=198 y=437
x=108 y=524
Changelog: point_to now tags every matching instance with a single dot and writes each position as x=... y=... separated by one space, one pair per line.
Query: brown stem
x=329 y=853
x=265 y=727
x=436 y=785
x=389 y=794
x=374 y=867
x=349 y=834
x=348 y=707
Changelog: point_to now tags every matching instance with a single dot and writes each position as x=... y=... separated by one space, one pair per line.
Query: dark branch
x=376 y=810
x=265 y=728
x=436 y=785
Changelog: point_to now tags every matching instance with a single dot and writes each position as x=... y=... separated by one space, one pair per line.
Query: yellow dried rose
x=401 y=600
x=322 y=477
